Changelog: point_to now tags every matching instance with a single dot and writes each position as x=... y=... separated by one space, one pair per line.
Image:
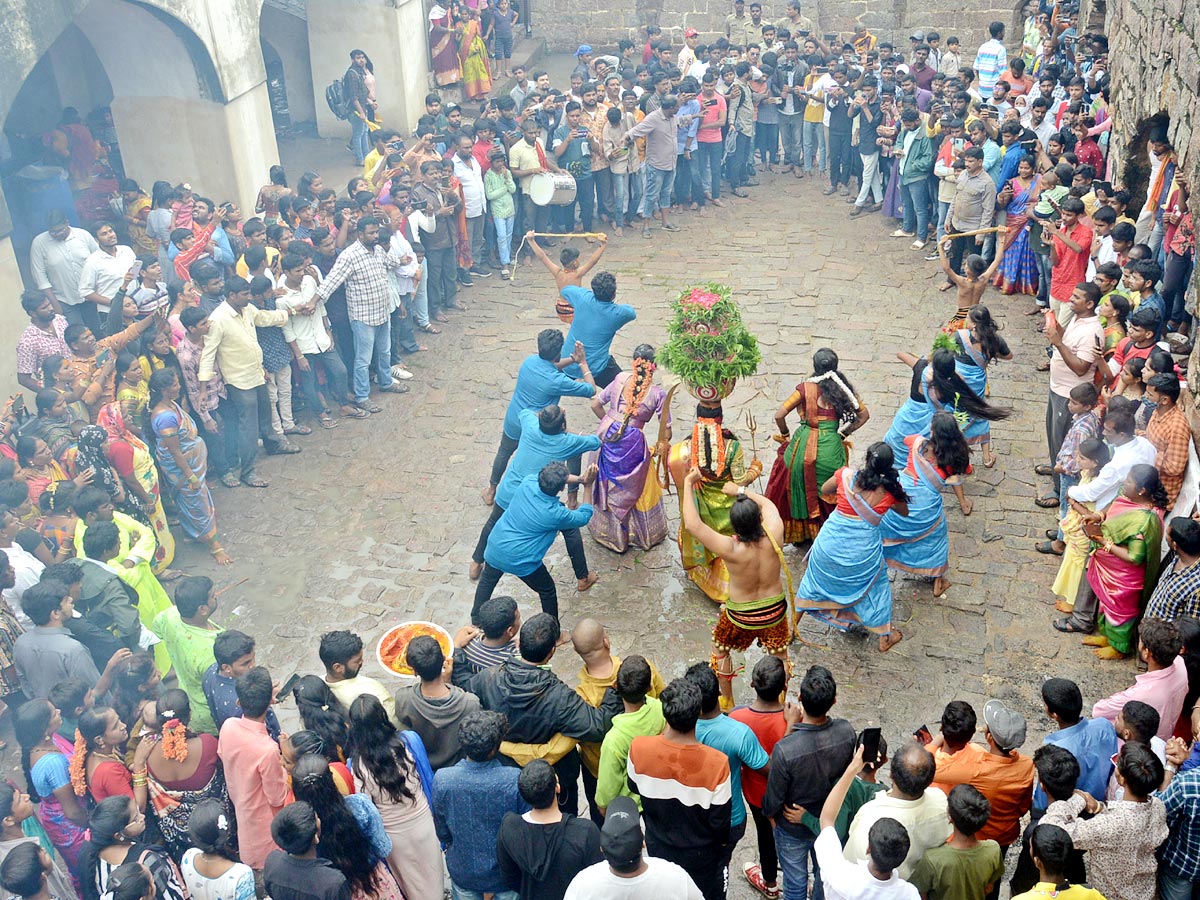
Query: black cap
x=621 y=837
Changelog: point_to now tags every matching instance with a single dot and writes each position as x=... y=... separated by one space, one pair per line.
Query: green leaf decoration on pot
x=708 y=346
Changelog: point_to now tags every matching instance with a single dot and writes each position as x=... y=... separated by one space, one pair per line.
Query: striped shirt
x=990 y=62
x=687 y=797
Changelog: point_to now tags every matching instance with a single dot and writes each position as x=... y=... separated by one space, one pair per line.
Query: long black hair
x=642 y=377
x=1146 y=477
x=879 y=471
x=825 y=360
x=377 y=748
x=322 y=712
x=953 y=391
x=132 y=674
x=986 y=330
x=31 y=721
x=342 y=842
x=949 y=446
x=106 y=824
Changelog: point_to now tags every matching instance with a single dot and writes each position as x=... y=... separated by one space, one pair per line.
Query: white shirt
x=308 y=331
x=925 y=819
x=845 y=880
x=471 y=176
x=660 y=881
x=402 y=276
x=103 y=274
x=29 y=571
x=58 y=264
x=1103 y=488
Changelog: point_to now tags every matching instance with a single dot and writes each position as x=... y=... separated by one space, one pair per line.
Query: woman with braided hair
x=936 y=385
x=845 y=583
x=979 y=345
x=717 y=453
x=626 y=496
x=830 y=410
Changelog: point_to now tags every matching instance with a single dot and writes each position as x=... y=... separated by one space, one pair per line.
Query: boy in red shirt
x=1071 y=245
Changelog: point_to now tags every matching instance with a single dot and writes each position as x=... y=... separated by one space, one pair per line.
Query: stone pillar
x=394 y=37
x=223 y=150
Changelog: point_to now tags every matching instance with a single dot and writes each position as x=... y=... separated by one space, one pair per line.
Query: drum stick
x=996 y=230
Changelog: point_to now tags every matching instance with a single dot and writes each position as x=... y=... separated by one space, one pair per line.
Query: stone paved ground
x=374 y=523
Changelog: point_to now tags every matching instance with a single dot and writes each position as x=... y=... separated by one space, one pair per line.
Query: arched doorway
x=284 y=38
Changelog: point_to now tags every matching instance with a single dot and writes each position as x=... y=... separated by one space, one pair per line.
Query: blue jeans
x=659 y=183
x=335 y=381
x=372 y=343
x=688 y=186
x=943 y=212
x=1064 y=482
x=916 y=207
x=814 y=140
x=359 y=142
x=620 y=184
x=1172 y=887
x=711 y=154
x=584 y=199
x=463 y=894
x=795 y=856
x=739 y=162
x=504 y=232
x=1044 y=268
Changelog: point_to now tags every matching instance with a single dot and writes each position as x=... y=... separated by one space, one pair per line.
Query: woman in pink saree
x=1123 y=569
x=626 y=496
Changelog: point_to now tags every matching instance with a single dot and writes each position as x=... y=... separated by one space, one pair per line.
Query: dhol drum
x=552 y=189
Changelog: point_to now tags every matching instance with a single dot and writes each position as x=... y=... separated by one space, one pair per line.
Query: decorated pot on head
x=711 y=394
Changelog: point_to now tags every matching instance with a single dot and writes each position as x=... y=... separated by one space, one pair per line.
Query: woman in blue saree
x=979 y=345
x=845 y=583
x=1018 y=272
x=936 y=386
x=919 y=543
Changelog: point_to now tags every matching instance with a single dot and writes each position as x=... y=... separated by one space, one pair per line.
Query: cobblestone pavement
x=374 y=523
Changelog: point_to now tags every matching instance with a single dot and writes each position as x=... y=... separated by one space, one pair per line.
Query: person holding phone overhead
x=912 y=802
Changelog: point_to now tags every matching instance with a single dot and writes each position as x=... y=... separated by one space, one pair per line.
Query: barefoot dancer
x=978 y=345
x=569 y=273
x=757 y=606
x=971 y=285
x=919 y=543
x=846 y=582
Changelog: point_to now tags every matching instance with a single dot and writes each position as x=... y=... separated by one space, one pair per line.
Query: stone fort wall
x=567 y=23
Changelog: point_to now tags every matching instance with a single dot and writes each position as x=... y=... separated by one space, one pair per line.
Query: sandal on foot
x=1044 y=469
x=327 y=422
x=430 y=328
x=357 y=412
x=1068 y=626
x=255 y=482
x=1047 y=547
x=1047 y=502
x=230 y=480
x=298 y=429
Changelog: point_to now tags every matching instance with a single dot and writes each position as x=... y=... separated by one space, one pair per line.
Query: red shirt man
x=1070 y=251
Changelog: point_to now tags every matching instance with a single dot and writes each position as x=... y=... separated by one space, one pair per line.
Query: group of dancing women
x=859 y=523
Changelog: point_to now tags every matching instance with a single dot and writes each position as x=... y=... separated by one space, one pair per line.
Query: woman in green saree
x=830 y=410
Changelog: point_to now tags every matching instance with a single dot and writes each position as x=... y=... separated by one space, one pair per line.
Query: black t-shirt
x=292 y=878
x=868 y=130
x=539 y=861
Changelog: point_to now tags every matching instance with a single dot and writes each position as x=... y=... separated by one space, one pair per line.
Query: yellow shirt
x=232 y=344
x=370 y=163
x=350 y=689
x=243 y=270
x=592 y=689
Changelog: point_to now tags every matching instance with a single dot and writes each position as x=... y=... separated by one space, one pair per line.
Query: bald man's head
x=589 y=638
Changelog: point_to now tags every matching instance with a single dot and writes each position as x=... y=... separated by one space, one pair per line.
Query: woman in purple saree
x=626 y=495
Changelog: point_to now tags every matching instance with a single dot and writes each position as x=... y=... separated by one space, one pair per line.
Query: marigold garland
x=174 y=740
x=78 y=766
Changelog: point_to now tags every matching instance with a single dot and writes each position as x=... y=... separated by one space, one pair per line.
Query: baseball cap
x=583 y=48
x=691 y=32
x=621 y=836
x=917 y=36
x=1007 y=726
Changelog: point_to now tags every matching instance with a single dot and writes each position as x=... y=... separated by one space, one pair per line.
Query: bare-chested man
x=758 y=605
x=971 y=285
x=568 y=273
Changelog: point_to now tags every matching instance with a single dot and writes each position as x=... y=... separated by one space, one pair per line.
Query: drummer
x=527 y=158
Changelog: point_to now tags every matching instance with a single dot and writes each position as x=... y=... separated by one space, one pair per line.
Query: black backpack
x=335 y=96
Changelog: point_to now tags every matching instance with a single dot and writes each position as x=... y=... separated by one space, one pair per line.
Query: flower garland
x=174 y=739
x=708 y=447
x=832 y=374
x=78 y=766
